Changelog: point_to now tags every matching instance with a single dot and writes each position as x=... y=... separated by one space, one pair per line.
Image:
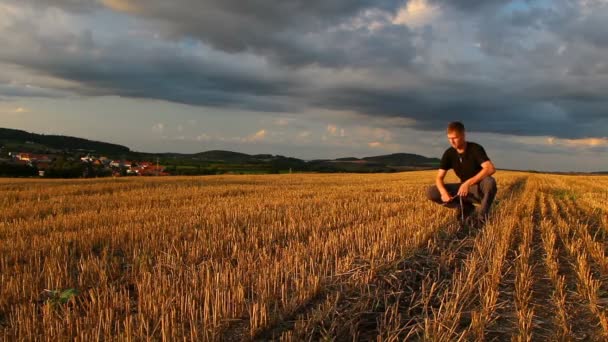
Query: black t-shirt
x=465 y=165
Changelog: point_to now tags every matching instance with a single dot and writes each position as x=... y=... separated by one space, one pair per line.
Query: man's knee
x=432 y=194
x=488 y=184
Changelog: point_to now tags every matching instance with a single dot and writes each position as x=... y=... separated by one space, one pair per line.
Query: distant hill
x=211 y=161
x=403 y=159
x=384 y=163
x=348 y=159
x=225 y=156
x=32 y=142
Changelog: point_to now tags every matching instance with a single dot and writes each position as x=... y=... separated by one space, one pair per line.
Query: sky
x=314 y=78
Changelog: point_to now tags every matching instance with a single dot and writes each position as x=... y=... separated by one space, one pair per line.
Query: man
x=472 y=165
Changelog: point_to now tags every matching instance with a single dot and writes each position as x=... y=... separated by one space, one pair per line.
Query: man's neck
x=464 y=147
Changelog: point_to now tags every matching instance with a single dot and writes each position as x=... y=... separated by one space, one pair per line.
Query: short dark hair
x=456 y=126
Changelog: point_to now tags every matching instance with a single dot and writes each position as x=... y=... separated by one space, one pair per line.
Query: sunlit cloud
x=585 y=142
x=336 y=131
x=416 y=13
x=260 y=134
x=332 y=129
x=121 y=5
x=374 y=144
x=257 y=136
x=282 y=121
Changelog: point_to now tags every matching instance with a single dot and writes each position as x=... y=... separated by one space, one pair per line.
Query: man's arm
x=445 y=196
x=487 y=169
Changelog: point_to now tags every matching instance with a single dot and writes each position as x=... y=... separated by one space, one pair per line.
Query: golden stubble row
x=234 y=257
x=192 y=257
x=568 y=225
x=474 y=291
x=346 y=313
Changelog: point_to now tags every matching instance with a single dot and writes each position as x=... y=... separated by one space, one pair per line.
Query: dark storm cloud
x=547 y=62
x=482 y=107
x=13 y=90
x=79 y=6
x=292 y=32
x=156 y=71
x=295 y=33
x=471 y=5
x=581 y=23
x=390 y=46
x=252 y=18
x=182 y=81
x=538 y=69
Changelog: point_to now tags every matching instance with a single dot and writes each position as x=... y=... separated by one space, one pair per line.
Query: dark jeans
x=482 y=193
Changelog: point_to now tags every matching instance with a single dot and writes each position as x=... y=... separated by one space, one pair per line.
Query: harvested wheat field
x=301 y=257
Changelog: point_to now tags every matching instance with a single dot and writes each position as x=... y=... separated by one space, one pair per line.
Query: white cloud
x=7 y=14
x=377 y=134
x=158 y=128
x=303 y=137
x=282 y=121
x=203 y=137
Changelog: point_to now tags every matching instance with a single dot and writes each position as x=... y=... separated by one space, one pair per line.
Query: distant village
x=92 y=165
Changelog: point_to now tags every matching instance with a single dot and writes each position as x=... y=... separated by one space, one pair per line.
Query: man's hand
x=445 y=197
x=463 y=191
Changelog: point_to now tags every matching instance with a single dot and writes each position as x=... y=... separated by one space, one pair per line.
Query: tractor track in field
x=584 y=323
x=543 y=324
x=402 y=284
x=238 y=329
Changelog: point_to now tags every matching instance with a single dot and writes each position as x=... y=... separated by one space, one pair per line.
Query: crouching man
x=472 y=165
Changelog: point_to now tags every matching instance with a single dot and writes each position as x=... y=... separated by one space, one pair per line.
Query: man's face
x=456 y=139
